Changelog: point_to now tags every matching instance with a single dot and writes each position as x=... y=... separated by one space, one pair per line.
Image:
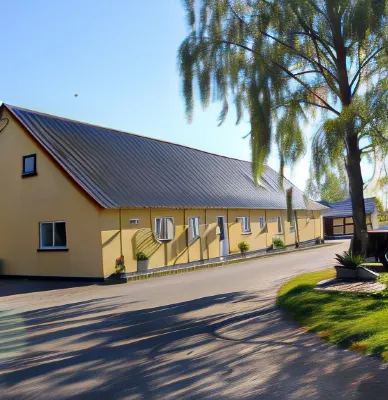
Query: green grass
x=355 y=321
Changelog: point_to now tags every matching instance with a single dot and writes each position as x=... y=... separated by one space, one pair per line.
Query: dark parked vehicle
x=378 y=246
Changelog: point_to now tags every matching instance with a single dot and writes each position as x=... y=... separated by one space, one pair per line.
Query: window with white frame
x=164 y=228
x=53 y=235
x=245 y=225
x=261 y=222
x=193 y=232
x=292 y=225
x=280 y=227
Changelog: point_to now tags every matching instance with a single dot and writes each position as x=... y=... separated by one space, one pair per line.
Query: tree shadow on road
x=227 y=346
x=12 y=287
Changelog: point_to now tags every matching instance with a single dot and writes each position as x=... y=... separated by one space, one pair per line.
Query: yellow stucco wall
x=49 y=196
x=141 y=237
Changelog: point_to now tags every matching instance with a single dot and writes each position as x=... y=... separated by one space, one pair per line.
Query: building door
x=223 y=235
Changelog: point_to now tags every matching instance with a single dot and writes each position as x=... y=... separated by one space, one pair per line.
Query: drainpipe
x=121 y=234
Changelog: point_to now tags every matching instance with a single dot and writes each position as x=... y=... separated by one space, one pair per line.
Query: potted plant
x=120 y=267
x=142 y=261
x=348 y=263
x=244 y=246
x=277 y=243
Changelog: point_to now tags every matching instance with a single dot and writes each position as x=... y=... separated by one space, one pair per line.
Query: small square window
x=29 y=165
x=245 y=225
x=53 y=235
x=164 y=228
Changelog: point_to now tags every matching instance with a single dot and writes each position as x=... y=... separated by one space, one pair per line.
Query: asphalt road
x=213 y=334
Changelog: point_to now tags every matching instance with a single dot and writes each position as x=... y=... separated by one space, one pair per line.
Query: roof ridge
x=10 y=106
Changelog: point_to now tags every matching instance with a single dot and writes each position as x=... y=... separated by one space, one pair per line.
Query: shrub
x=140 y=256
x=277 y=242
x=120 y=265
x=244 y=246
x=349 y=259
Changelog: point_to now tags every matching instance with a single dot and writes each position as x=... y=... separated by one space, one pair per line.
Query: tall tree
x=283 y=61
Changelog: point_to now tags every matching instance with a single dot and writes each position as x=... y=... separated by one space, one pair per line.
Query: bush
x=349 y=259
x=244 y=246
x=141 y=256
x=120 y=265
x=277 y=242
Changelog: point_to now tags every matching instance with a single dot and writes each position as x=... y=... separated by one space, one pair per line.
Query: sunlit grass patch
x=358 y=321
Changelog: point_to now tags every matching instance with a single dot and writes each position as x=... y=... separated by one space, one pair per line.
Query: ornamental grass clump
x=278 y=243
x=244 y=246
x=349 y=259
x=140 y=256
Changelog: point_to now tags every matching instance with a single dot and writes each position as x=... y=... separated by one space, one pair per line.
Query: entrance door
x=223 y=234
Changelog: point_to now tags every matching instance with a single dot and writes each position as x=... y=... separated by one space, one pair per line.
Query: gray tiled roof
x=344 y=208
x=118 y=169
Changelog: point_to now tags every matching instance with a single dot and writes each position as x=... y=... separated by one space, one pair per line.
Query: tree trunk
x=353 y=161
x=356 y=188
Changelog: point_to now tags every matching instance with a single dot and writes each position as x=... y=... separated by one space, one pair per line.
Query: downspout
x=227 y=228
x=296 y=230
x=206 y=241
x=187 y=234
x=121 y=234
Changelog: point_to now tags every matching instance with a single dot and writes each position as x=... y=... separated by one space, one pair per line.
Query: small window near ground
x=280 y=227
x=164 y=228
x=245 y=225
x=53 y=235
x=193 y=229
x=29 y=165
x=261 y=222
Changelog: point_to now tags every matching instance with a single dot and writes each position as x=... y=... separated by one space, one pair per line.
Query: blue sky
x=120 y=58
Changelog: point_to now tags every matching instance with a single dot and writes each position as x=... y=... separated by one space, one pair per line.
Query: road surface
x=212 y=334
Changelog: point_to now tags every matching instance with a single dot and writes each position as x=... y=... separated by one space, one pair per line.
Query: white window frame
x=53 y=247
x=261 y=222
x=164 y=222
x=293 y=225
x=245 y=225
x=279 y=222
x=195 y=233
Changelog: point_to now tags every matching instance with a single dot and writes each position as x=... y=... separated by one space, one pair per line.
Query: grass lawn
x=355 y=321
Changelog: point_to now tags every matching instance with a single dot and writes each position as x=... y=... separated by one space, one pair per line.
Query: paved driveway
x=213 y=334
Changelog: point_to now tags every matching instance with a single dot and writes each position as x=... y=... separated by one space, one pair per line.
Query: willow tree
x=283 y=62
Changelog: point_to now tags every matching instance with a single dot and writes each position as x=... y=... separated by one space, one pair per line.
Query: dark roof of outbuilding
x=344 y=208
x=118 y=169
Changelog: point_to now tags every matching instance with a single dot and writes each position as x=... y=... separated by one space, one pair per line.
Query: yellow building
x=75 y=197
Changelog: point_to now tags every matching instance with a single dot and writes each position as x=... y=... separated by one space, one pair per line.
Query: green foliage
x=277 y=242
x=379 y=204
x=120 y=265
x=287 y=61
x=140 y=256
x=244 y=246
x=332 y=187
x=349 y=259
